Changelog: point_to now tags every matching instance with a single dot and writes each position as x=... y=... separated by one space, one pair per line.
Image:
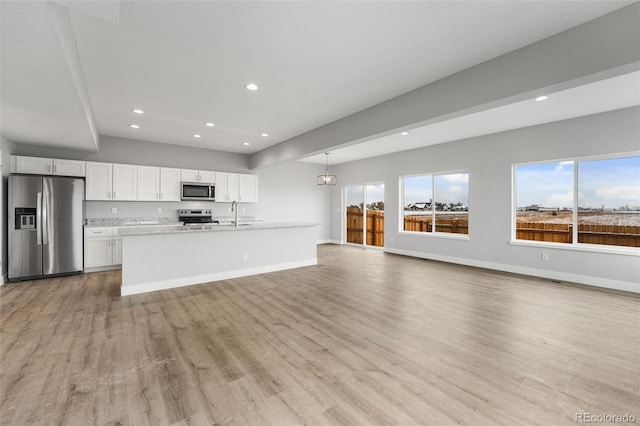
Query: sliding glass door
x=364 y=208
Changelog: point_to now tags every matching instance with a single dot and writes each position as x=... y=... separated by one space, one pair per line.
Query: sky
x=453 y=188
x=610 y=183
x=355 y=194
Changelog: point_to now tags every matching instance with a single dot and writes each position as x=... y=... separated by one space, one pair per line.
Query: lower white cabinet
x=102 y=247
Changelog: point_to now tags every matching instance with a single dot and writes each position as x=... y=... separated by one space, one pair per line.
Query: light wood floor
x=363 y=338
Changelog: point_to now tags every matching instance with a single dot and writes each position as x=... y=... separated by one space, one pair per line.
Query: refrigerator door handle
x=39 y=219
x=45 y=216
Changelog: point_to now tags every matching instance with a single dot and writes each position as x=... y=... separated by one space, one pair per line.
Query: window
x=436 y=203
x=605 y=209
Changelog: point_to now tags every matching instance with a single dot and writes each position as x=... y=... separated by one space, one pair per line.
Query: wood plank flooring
x=363 y=338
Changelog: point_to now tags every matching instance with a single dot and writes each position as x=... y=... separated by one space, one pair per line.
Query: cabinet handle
x=55 y=169
x=48 y=167
x=114 y=195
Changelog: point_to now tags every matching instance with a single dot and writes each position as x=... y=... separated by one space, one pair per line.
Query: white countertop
x=181 y=229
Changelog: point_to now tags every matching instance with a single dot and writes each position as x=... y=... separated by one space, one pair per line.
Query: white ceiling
x=186 y=62
x=601 y=96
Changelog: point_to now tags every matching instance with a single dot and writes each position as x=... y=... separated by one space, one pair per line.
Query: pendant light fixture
x=326 y=178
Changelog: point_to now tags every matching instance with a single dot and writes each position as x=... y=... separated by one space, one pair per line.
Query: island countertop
x=182 y=229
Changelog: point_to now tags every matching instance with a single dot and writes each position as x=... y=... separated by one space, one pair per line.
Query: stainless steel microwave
x=198 y=191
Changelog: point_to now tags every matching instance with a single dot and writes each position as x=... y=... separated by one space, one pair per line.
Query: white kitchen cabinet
x=69 y=167
x=47 y=166
x=125 y=182
x=31 y=165
x=226 y=187
x=98 y=247
x=203 y=176
x=117 y=250
x=99 y=183
x=148 y=183
x=247 y=188
x=169 y=184
x=106 y=181
x=102 y=247
x=158 y=184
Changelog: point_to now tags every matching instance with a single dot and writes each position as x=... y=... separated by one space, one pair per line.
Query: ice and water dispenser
x=25 y=218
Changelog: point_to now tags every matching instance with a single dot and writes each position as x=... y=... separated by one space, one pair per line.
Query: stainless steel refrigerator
x=45 y=216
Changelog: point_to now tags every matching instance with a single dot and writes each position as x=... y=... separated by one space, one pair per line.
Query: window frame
x=432 y=233
x=574 y=245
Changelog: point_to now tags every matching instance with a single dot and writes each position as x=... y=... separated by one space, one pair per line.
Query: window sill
x=593 y=248
x=451 y=236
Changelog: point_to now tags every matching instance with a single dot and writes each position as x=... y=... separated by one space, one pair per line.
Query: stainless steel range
x=190 y=217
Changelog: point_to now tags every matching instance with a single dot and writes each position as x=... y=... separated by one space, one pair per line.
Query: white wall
x=488 y=160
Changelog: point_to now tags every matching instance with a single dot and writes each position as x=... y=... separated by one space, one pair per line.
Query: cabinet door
x=117 y=250
x=125 y=182
x=222 y=194
x=68 y=167
x=189 y=175
x=99 y=184
x=35 y=165
x=98 y=251
x=232 y=186
x=207 y=177
x=169 y=184
x=148 y=183
x=247 y=188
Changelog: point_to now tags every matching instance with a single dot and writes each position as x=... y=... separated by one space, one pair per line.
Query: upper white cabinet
x=169 y=184
x=47 y=166
x=69 y=167
x=36 y=165
x=158 y=184
x=198 y=176
x=106 y=181
x=247 y=188
x=125 y=182
x=99 y=184
x=226 y=187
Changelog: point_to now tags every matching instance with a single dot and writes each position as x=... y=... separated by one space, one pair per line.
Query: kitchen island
x=163 y=257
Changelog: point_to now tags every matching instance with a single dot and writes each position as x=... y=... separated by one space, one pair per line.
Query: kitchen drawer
x=98 y=231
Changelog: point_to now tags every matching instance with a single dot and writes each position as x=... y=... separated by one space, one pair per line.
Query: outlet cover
x=245 y=256
x=545 y=257
x=159 y=210
x=114 y=210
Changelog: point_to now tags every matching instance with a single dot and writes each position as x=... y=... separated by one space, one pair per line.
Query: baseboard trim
x=540 y=273
x=330 y=241
x=102 y=268
x=201 y=279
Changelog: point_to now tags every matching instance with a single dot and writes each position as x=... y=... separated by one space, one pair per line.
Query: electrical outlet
x=114 y=210
x=545 y=257
x=245 y=256
x=228 y=209
x=159 y=210
x=390 y=239
x=243 y=209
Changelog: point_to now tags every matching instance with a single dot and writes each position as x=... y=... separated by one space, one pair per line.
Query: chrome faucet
x=234 y=208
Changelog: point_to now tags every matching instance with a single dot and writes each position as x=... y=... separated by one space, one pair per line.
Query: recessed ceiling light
x=197 y=136
x=404 y=133
x=264 y=135
x=246 y=144
x=251 y=86
x=209 y=124
x=138 y=111
x=134 y=126
x=542 y=98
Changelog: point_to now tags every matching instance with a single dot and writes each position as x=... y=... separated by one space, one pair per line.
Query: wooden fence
x=614 y=235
